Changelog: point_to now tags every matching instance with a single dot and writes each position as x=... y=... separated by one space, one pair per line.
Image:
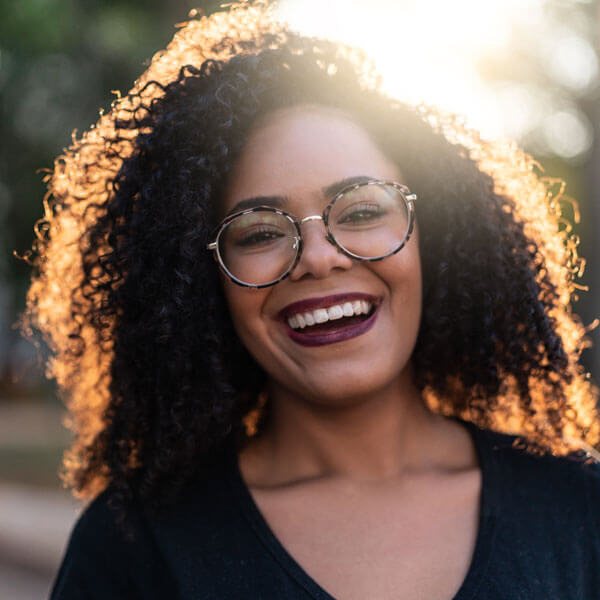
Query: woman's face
x=294 y=154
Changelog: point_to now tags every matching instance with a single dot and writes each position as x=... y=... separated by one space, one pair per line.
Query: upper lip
x=323 y=302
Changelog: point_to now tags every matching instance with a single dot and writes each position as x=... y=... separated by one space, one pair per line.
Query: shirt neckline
x=489 y=506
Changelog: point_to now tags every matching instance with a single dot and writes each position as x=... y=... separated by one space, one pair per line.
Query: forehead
x=297 y=152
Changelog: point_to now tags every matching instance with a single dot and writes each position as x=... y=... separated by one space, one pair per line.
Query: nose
x=319 y=255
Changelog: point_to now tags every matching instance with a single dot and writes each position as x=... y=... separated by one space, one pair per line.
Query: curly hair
x=131 y=304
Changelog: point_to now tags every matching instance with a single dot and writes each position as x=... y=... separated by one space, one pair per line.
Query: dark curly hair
x=131 y=304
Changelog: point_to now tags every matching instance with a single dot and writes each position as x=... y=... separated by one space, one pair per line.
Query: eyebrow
x=274 y=201
x=280 y=201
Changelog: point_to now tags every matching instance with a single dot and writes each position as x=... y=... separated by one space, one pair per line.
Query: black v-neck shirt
x=538 y=539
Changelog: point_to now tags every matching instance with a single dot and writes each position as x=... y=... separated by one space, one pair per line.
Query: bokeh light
x=572 y=61
x=568 y=133
x=468 y=57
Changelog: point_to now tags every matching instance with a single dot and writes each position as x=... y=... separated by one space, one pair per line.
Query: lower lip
x=332 y=337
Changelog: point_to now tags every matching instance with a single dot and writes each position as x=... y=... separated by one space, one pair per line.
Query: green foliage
x=59 y=61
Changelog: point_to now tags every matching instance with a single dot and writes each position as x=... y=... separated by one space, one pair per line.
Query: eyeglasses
x=366 y=221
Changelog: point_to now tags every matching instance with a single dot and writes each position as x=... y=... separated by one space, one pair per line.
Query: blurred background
x=523 y=70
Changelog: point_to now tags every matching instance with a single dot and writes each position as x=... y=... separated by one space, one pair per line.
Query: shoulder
x=543 y=513
x=542 y=484
x=127 y=526
x=510 y=450
x=95 y=522
x=107 y=556
x=100 y=521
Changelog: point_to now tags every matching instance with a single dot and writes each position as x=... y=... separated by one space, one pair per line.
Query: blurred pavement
x=36 y=515
x=34 y=528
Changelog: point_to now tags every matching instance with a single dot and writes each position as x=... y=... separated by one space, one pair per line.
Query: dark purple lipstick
x=333 y=330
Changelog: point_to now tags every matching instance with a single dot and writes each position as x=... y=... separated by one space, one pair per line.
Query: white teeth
x=347 y=309
x=335 y=312
x=332 y=313
x=321 y=315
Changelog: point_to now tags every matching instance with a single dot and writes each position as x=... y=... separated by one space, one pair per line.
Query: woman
x=289 y=313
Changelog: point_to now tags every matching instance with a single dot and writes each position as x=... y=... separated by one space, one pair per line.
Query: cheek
x=411 y=267
x=245 y=308
x=402 y=274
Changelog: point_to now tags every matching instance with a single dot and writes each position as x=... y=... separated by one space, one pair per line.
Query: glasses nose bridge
x=327 y=235
x=311 y=218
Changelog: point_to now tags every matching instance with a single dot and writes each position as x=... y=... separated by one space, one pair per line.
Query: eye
x=257 y=236
x=361 y=212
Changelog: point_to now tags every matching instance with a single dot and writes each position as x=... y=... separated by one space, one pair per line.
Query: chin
x=352 y=386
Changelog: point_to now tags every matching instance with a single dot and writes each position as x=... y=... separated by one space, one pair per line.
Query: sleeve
x=100 y=563
x=592 y=482
x=592 y=530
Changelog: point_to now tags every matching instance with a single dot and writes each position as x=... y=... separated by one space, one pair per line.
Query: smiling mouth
x=338 y=318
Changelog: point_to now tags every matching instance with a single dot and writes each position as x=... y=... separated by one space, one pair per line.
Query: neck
x=370 y=439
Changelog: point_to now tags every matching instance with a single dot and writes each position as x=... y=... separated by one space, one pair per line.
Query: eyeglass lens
x=368 y=222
